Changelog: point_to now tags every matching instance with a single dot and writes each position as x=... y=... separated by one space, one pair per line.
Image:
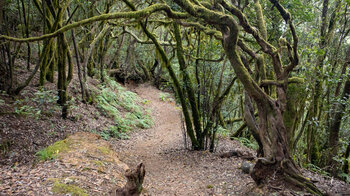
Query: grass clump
x=51 y=151
x=124 y=107
x=73 y=190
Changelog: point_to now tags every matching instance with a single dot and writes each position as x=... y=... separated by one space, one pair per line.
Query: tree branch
x=265 y=83
x=132 y=14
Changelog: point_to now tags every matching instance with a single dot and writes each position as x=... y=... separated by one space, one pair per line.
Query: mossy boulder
x=82 y=164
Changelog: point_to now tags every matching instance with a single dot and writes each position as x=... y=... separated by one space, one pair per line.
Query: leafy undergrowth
x=124 y=107
x=32 y=120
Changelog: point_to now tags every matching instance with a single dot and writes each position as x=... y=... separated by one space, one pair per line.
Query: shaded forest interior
x=273 y=75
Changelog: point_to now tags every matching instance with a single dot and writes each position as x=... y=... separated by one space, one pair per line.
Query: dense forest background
x=272 y=74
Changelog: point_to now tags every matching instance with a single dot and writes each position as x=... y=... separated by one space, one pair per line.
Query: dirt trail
x=172 y=170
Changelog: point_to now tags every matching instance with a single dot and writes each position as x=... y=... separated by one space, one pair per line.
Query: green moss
x=98 y=163
x=51 y=151
x=86 y=169
x=68 y=188
x=296 y=99
x=104 y=150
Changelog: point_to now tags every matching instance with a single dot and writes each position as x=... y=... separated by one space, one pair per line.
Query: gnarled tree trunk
x=134 y=182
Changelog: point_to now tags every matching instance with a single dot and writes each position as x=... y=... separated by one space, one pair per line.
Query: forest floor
x=171 y=169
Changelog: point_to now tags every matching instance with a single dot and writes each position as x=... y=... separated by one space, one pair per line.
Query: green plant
x=2 y=102
x=27 y=110
x=146 y=101
x=116 y=132
x=112 y=101
x=165 y=97
x=3 y=92
x=317 y=169
x=44 y=97
x=104 y=134
x=5 y=146
x=246 y=142
x=345 y=177
x=44 y=102
x=222 y=131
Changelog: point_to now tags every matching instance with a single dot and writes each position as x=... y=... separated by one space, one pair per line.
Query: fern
x=113 y=99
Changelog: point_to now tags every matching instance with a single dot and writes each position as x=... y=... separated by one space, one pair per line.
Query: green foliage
x=44 y=97
x=2 y=102
x=222 y=131
x=165 y=97
x=124 y=107
x=117 y=132
x=345 y=177
x=5 y=147
x=317 y=169
x=26 y=110
x=43 y=101
x=246 y=142
x=104 y=134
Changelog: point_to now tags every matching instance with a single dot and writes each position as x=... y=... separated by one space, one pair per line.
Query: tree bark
x=134 y=182
x=335 y=128
x=339 y=110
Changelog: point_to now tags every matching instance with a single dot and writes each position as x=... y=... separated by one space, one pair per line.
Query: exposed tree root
x=262 y=173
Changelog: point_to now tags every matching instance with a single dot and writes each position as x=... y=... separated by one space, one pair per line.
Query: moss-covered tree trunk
x=326 y=35
x=189 y=89
x=26 y=23
x=62 y=77
x=335 y=128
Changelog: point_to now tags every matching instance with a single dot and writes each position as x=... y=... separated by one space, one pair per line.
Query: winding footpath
x=172 y=170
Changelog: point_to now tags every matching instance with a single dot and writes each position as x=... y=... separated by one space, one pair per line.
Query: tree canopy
x=275 y=72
